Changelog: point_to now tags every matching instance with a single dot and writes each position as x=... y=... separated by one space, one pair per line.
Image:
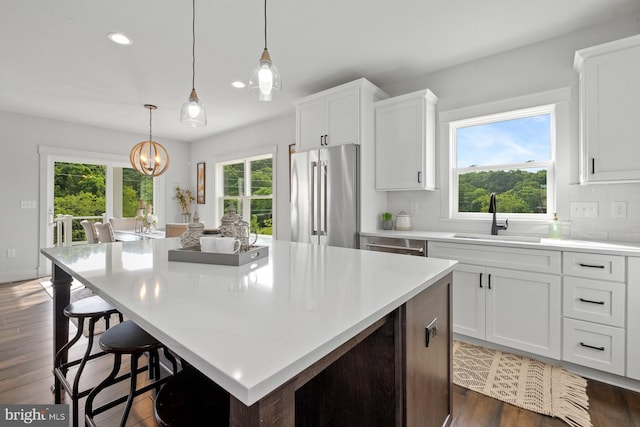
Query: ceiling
x=58 y=63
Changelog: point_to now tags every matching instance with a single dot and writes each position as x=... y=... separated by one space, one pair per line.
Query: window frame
x=455 y=172
x=247 y=196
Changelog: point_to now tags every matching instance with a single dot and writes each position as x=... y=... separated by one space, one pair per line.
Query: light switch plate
x=584 y=209
x=27 y=204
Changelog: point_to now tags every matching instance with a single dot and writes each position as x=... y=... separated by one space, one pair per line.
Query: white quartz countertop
x=254 y=327
x=605 y=247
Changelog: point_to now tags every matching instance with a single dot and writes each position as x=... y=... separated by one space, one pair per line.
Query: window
x=510 y=154
x=248 y=183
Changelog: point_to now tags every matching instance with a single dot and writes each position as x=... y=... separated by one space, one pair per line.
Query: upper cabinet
x=405 y=142
x=609 y=111
x=335 y=116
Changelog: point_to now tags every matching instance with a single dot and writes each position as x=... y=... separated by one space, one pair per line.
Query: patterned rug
x=523 y=382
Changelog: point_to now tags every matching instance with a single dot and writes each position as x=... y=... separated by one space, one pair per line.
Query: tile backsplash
x=617 y=215
x=609 y=212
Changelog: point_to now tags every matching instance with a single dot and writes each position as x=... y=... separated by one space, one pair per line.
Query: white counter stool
x=93 y=308
x=189 y=398
x=127 y=338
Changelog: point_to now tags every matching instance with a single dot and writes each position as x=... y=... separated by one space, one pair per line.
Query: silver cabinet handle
x=404 y=248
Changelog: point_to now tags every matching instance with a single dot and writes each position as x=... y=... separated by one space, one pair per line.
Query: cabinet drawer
x=594 y=266
x=537 y=260
x=594 y=301
x=593 y=345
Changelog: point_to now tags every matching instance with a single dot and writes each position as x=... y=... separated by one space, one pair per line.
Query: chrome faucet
x=492 y=210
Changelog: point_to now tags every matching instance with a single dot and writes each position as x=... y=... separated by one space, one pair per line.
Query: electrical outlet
x=584 y=209
x=414 y=208
x=618 y=209
x=11 y=253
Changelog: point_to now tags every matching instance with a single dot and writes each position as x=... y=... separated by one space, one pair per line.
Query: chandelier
x=149 y=158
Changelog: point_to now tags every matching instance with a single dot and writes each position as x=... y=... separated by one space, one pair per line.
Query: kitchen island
x=310 y=333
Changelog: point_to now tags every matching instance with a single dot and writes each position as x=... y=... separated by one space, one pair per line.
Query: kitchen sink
x=504 y=238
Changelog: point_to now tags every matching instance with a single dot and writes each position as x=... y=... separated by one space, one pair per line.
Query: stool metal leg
x=106 y=382
x=61 y=356
x=132 y=390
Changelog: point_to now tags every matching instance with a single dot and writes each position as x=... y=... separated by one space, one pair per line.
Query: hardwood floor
x=26 y=359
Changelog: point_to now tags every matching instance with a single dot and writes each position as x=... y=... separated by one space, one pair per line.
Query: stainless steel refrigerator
x=325 y=196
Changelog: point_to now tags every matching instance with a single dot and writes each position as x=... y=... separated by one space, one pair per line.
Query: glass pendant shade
x=149 y=158
x=192 y=112
x=265 y=81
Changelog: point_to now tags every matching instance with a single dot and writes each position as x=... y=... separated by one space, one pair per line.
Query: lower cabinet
x=517 y=309
x=633 y=318
x=426 y=322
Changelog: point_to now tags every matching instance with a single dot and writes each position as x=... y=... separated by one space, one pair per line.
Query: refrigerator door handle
x=324 y=182
x=314 y=214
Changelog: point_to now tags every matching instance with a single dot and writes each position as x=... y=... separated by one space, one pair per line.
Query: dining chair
x=125 y=224
x=105 y=232
x=90 y=231
x=175 y=229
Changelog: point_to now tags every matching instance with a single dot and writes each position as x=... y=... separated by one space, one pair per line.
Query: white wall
x=20 y=177
x=536 y=68
x=278 y=133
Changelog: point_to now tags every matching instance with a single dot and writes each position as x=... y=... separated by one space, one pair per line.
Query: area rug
x=78 y=292
x=523 y=382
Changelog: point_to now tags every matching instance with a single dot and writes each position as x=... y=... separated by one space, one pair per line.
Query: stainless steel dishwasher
x=394 y=245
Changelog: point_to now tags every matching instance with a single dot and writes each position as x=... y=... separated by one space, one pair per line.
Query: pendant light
x=265 y=80
x=192 y=112
x=149 y=158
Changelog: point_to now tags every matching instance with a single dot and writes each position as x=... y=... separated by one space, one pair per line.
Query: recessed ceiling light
x=238 y=84
x=120 y=38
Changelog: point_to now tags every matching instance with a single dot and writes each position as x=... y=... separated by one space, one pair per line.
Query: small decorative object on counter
x=242 y=232
x=403 y=221
x=555 y=228
x=387 y=221
x=228 y=220
x=191 y=237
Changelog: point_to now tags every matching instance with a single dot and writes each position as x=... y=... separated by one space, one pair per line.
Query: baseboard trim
x=18 y=276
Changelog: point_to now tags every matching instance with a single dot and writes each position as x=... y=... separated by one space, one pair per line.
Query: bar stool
x=191 y=399
x=127 y=338
x=93 y=308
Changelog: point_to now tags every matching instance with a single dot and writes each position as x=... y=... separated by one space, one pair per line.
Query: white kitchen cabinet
x=633 y=318
x=515 y=308
x=335 y=116
x=609 y=111
x=405 y=142
x=594 y=310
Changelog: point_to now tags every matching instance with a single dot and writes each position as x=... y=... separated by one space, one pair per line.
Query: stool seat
x=189 y=398
x=89 y=307
x=128 y=338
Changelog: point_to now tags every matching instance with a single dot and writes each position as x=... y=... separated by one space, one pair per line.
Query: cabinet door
x=311 y=123
x=343 y=117
x=428 y=366
x=611 y=90
x=523 y=311
x=399 y=147
x=633 y=319
x=469 y=300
